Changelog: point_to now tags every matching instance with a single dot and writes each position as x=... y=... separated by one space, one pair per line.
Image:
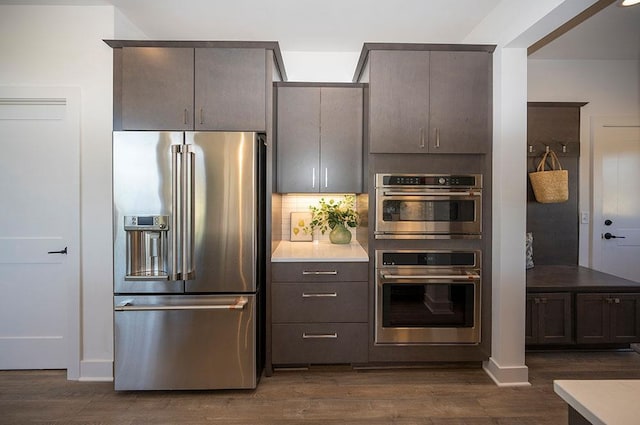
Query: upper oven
x=428 y=206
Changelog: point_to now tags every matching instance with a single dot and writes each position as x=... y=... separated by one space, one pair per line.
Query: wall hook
x=546 y=147
x=530 y=148
x=564 y=147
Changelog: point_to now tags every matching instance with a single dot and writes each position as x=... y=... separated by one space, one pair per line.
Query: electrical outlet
x=584 y=217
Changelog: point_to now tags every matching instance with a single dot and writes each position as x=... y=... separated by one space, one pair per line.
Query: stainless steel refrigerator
x=188 y=211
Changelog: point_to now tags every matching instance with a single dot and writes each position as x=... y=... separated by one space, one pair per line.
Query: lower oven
x=427 y=297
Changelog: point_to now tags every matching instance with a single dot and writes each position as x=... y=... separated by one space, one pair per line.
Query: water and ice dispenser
x=146 y=247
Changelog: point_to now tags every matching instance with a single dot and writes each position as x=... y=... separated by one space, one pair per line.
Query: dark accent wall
x=554 y=226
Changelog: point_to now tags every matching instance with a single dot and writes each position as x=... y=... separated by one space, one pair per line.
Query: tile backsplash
x=300 y=203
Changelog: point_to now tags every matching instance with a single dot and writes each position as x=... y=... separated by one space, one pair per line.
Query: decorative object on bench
x=550 y=186
x=529 y=250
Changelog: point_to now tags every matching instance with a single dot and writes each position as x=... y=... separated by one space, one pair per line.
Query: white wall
x=612 y=88
x=62 y=46
x=335 y=67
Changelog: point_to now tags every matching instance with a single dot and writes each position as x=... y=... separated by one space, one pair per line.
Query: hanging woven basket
x=550 y=186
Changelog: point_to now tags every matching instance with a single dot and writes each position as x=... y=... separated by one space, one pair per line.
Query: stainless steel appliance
x=427 y=297
x=188 y=259
x=428 y=206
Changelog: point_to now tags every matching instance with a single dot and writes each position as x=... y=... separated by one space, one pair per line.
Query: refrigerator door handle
x=188 y=177
x=128 y=305
x=176 y=212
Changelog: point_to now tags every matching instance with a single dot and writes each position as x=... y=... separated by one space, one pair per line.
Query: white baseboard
x=96 y=371
x=510 y=376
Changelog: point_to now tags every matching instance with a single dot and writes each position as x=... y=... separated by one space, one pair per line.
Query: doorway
x=39 y=229
x=616 y=197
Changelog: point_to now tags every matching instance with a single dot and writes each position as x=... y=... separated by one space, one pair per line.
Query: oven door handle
x=434 y=193
x=473 y=276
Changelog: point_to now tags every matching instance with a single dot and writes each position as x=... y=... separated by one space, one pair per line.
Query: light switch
x=584 y=217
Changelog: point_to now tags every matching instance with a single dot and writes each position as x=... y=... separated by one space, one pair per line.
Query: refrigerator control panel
x=146 y=222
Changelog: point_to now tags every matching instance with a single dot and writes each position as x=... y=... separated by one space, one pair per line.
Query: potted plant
x=334 y=215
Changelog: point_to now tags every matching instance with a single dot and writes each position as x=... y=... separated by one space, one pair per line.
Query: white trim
x=507 y=376
x=96 y=371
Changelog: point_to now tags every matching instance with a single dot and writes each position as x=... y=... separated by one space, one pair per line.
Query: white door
x=39 y=220
x=616 y=227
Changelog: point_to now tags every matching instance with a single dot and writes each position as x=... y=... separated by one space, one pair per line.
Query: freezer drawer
x=185 y=342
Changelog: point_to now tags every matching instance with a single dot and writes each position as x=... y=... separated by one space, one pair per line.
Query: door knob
x=610 y=236
x=608 y=222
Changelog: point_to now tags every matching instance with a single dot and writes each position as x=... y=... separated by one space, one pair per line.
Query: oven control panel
x=429 y=258
x=437 y=180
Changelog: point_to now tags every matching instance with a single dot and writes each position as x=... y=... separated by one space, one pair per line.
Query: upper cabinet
x=218 y=86
x=319 y=138
x=157 y=88
x=431 y=99
x=230 y=89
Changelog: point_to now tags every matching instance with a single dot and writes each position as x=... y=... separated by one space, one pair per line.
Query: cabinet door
x=298 y=139
x=341 y=139
x=625 y=317
x=399 y=101
x=592 y=319
x=554 y=318
x=460 y=106
x=157 y=88
x=230 y=89
x=531 y=320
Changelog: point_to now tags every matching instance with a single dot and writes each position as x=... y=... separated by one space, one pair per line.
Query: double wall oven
x=432 y=295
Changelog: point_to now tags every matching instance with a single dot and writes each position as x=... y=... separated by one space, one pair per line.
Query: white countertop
x=603 y=402
x=318 y=251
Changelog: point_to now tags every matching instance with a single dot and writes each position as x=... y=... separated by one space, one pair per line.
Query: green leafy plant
x=330 y=213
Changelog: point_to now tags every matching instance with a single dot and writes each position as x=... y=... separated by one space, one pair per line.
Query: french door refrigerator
x=188 y=217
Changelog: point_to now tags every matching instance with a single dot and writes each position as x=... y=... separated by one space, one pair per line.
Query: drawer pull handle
x=319 y=294
x=319 y=273
x=320 y=336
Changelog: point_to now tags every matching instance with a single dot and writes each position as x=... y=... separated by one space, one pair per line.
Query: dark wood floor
x=324 y=396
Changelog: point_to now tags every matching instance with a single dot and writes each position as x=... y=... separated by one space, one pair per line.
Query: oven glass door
x=427 y=305
x=428 y=214
x=427 y=309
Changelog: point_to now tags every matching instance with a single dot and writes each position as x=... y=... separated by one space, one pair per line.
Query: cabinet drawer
x=319 y=343
x=319 y=302
x=320 y=272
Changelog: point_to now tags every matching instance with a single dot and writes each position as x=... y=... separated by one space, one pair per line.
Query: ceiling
x=344 y=25
x=611 y=34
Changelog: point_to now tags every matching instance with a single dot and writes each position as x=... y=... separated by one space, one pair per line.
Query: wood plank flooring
x=327 y=396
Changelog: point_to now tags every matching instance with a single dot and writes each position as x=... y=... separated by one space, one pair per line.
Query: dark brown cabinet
x=607 y=318
x=319 y=138
x=230 y=89
x=319 y=313
x=186 y=88
x=157 y=88
x=430 y=101
x=548 y=318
